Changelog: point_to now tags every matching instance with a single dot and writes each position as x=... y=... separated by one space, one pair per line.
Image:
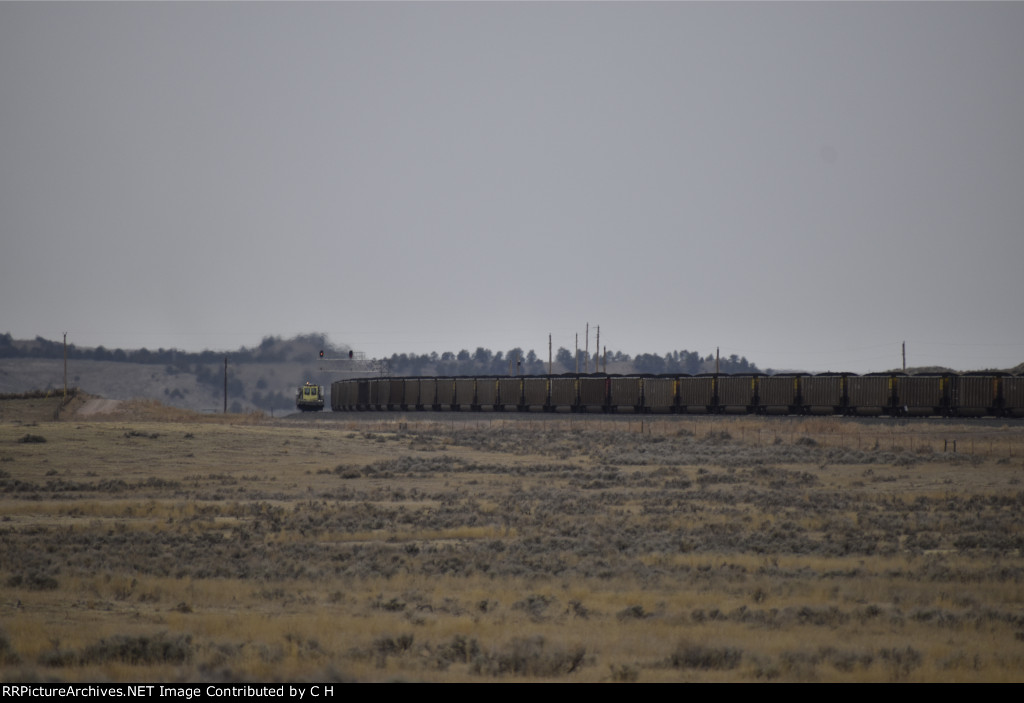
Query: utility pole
x=716 y=360
x=586 y=351
x=904 y=357
x=549 y=353
x=225 y=385
x=577 y=353
x=597 y=346
x=65 y=367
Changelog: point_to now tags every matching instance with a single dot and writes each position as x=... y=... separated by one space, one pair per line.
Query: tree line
x=517 y=362
x=306 y=348
x=301 y=348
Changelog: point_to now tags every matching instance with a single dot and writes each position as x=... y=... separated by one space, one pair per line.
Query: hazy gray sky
x=803 y=184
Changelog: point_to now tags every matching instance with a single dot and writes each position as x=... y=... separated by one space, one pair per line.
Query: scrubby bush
x=697 y=656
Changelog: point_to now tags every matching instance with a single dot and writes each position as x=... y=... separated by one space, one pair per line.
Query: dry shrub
x=158 y=649
x=530 y=656
x=698 y=656
x=7 y=654
x=136 y=651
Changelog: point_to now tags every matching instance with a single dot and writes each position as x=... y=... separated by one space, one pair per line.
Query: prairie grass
x=162 y=546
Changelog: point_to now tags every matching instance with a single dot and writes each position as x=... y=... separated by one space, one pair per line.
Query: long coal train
x=893 y=394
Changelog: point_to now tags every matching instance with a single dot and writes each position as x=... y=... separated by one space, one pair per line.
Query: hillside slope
x=264 y=386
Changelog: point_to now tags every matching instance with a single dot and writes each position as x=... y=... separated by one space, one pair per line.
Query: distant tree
x=7 y=347
x=499 y=364
x=564 y=357
x=415 y=367
x=271 y=350
x=691 y=362
x=206 y=376
x=482 y=356
x=649 y=363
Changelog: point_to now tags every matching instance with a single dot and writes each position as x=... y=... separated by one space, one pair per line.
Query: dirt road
x=98 y=406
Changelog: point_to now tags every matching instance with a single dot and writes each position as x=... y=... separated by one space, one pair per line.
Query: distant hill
x=253 y=386
x=264 y=377
x=270 y=350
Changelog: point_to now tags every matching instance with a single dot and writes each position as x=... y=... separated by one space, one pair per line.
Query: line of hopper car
x=893 y=394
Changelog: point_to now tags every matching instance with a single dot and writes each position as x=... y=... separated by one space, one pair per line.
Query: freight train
x=893 y=394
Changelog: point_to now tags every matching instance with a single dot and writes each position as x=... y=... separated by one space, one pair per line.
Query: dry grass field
x=156 y=544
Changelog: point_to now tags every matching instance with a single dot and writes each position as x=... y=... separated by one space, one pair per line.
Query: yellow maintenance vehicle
x=310 y=398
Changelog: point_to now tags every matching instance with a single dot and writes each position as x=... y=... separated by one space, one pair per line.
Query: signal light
x=321 y=353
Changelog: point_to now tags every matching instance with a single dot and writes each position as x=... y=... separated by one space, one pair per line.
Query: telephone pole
x=65 y=367
x=586 y=352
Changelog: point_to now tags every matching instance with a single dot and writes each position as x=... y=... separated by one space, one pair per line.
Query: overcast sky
x=804 y=184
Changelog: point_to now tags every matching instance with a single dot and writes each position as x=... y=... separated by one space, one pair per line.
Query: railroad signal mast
x=354 y=365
